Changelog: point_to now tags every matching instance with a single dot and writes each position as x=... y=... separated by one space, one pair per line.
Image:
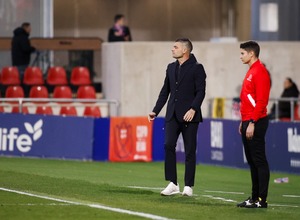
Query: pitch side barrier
x=229 y=108
x=108 y=107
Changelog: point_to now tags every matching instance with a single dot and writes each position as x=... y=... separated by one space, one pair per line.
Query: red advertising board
x=130 y=139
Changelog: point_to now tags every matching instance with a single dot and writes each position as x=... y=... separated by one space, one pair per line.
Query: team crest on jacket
x=249 y=78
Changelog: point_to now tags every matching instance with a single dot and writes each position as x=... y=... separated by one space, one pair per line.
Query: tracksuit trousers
x=256 y=157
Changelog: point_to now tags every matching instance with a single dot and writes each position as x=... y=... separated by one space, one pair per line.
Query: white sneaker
x=171 y=189
x=187 y=191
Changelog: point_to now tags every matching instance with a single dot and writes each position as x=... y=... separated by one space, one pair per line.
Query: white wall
x=133 y=73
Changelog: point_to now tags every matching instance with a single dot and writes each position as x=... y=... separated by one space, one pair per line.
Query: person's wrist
x=252 y=121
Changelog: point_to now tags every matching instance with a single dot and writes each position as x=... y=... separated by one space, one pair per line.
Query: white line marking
x=278 y=205
x=37 y=204
x=291 y=196
x=98 y=206
x=144 y=187
x=224 y=192
x=219 y=198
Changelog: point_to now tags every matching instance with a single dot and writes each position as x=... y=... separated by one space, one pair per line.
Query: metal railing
x=112 y=105
x=228 y=106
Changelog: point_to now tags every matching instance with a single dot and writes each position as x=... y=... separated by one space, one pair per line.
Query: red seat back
x=57 y=76
x=86 y=92
x=16 y=109
x=38 y=92
x=68 y=110
x=10 y=76
x=33 y=76
x=92 y=111
x=296 y=112
x=14 y=92
x=44 y=110
x=62 y=92
x=80 y=76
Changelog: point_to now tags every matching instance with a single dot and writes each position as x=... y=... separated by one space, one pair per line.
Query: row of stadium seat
x=89 y=111
x=55 y=76
x=84 y=92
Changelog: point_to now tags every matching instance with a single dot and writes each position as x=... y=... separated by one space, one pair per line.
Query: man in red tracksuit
x=253 y=127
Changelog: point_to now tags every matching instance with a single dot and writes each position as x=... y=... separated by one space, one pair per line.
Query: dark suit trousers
x=189 y=134
x=256 y=157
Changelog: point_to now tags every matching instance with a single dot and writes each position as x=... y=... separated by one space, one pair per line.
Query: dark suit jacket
x=185 y=93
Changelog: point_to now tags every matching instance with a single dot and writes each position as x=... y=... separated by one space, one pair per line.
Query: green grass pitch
x=59 y=189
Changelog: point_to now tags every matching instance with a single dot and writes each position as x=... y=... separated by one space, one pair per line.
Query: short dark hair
x=187 y=43
x=25 y=24
x=118 y=17
x=251 y=46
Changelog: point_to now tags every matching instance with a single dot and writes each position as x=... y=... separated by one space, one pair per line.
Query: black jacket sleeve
x=200 y=86
x=163 y=96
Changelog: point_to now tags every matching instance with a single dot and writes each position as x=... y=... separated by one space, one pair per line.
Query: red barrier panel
x=130 y=139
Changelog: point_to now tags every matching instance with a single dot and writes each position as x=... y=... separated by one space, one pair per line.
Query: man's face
x=178 y=50
x=246 y=56
x=121 y=21
x=27 y=29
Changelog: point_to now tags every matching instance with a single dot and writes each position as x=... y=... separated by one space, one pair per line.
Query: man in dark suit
x=184 y=86
x=119 y=32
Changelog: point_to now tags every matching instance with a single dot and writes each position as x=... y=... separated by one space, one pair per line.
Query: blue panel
x=158 y=152
x=46 y=136
x=101 y=139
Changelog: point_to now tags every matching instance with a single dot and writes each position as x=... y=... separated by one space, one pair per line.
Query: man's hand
x=189 y=115
x=151 y=116
x=250 y=131
x=240 y=128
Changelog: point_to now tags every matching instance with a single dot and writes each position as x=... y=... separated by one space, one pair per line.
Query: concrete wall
x=134 y=72
x=154 y=20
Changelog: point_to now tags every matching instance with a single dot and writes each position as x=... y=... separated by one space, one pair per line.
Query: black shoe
x=248 y=201
x=258 y=204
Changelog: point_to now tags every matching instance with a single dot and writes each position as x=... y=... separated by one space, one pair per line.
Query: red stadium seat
x=62 y=92
x=86 y=92
x=296 y=112
x=44 y=110
x=33 y=76
x=68 y=110
x=14 y=92
x=15 y=109
x=38 y=92
x=10 y=76
x=92 y=111
x=1 y=109
x=57 y=76
x=80 y=76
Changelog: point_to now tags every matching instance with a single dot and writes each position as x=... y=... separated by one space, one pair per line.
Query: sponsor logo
x=11 y=139
x=293 y=140
x=295 y=163
x=216 y=140
x=216 y=134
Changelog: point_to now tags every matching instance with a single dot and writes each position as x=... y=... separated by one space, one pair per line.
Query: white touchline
x=144 y=187
x=291 y=196
x=219 y=198
x=224 y=192
x=36 y=204
x=98 y=206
